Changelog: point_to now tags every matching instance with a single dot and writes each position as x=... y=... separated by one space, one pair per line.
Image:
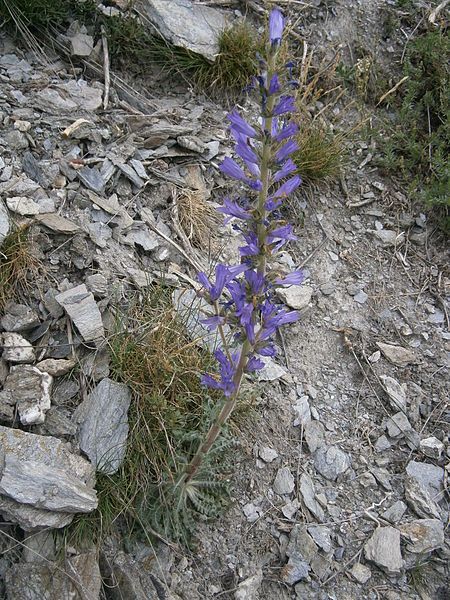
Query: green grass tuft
x=151 y=353
x=321 y=152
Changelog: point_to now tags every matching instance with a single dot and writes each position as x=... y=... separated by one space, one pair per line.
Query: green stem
x=216 y=427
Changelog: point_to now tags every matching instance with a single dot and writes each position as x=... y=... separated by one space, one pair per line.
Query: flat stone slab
x=103 y=421
x=186 y=24
x=82 y=308
x=42 y=483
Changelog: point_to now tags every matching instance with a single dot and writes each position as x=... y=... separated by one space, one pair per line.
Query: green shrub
x=418 y=143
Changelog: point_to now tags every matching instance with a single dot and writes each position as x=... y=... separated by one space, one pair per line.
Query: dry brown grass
x=18 y=265
x=197 y=217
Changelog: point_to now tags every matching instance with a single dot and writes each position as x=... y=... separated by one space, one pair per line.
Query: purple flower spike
x=255 y=280
x=294 y=278
x=240 y=125
x=232 y=208
x=286 y=104
x=287 y=131
x=288 y=167
x=224 y=275
x=288 y=187
x=276 y=26
x=288 y=148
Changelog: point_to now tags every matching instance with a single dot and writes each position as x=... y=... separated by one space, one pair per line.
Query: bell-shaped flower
x=288 y=148
x=287 y=131
x=288 y=167
x=294 y=278
x=233 y=209
x=276 y=26
x=286 y=104
x=239 y=124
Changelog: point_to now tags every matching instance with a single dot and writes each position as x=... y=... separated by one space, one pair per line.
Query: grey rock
x=42 y=483
x=103 y=421
x=17 y=140
x=33 y=169
x=306 y=487
x=67 y=97
x=112 y=207
x=267 y=454
x=382 y=476
x=248 y=589
x=126 y=579
x=383 y=548
x=132 y=175
x=58 y=425
x=284 y=481
x=398 y=425
x=314 y=433
x=48 y=581
x=395 y=512
x=327 y=288
x=140 y=235
x=252 y=512
x=5 y=224
x=382 y=444
x=429 y=476
x=92 y=179
x=321 y=535
x=302 y=409
x=397 y=355
x=419 y=500
x=295 y=570
x=16 y=349
x=19 y=317
x=30 y=390
x=361 y=573
x=39 y=548
x=396 y=392
x=205 y=24
x=361 y=297
x=97 y=284
x=81 y=44
x=423 y=535
x=271 y=371
x=331 y=462
x=23 y=206
x=83 y=310
x=55 y=310
x=7 y=406
x=432 y=447
x=57 y=224
x=296 y=296
x=56 y=367
x=389 y=237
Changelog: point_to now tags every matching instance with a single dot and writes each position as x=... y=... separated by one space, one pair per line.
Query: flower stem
x=216 y=427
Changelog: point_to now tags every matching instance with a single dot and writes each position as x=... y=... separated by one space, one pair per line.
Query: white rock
x=4 y=222
x=23 y=206
x=267 y=454
x=16 y=349
x=423 y=535
x=83 y=310
x=296 y=296
x=30 y=389
x=56 y=367
x=432 y=447
x=361 y=573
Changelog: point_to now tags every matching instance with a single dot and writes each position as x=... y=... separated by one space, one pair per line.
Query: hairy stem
x=216 y=427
